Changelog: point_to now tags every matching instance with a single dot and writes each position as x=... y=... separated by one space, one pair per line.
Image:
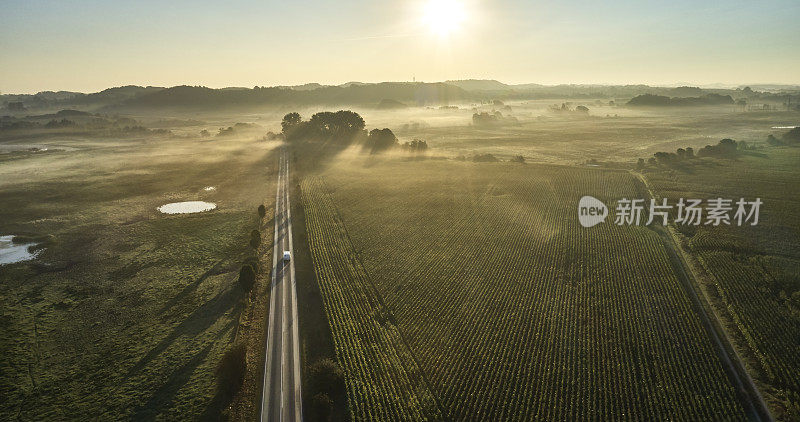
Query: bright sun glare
x=443 y=17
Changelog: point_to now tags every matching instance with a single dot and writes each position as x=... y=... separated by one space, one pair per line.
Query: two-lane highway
x=281 y=398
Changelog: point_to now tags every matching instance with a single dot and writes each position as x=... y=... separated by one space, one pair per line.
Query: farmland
x=474 y=280
x=445 y=289
x=751 y=272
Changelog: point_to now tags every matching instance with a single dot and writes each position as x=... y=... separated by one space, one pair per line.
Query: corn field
x=470 y=292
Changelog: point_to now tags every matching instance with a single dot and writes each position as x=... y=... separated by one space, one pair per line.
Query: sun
x=443 y=17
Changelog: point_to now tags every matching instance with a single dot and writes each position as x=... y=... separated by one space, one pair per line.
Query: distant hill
x=389 y=104
x=199 y=97
x=372 y=94
x=115 y=95
x=685 y=91
x=305 y=87
x=480 y=85
x=349 y=84
x=65 y=99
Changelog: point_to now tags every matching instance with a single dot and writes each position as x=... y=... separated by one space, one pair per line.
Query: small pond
x=11 y=252
x=188 y=207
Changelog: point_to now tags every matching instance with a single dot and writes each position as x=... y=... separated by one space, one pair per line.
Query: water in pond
x=209 y=188
x=784 y=127
x=11 y=252
x=187 y=207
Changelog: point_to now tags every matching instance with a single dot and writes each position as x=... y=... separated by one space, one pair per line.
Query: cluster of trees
x=345 y=127
x=566 y=108
x=342 y=126
x=233 y=130
x=496 y=118
x=669 y=157
x=791 y=137
x=59 y=123
x=416 y=146
x=650 y=100
x=726 y=148
x=80 y=120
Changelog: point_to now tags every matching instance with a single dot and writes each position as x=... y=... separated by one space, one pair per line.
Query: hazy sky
x=92 y=45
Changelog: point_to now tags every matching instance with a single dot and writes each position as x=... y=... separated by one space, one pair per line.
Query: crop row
x=382 y=379
x=512 y=310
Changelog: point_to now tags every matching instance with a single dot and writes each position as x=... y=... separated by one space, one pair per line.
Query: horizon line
x=712 y=85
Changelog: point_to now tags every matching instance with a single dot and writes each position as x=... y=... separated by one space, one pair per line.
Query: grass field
x=126 y=312
x=469 y=292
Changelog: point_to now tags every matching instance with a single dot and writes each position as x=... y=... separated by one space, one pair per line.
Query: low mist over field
x=424 y=210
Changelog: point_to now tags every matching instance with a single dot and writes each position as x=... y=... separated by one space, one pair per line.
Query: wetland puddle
x=188 y=207
x=11 y=252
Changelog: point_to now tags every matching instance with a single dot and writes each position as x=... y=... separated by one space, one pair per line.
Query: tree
x=518 y=159
x=725 y=148
x=321 y=407
x=255 y=239
x=262 y=211
x=380 y=140
x=582 y=109
x=247 y=277
x=290 y=121
x=326 y=377
x=640 y=164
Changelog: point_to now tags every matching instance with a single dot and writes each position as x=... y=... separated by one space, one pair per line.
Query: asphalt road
x=281 y=398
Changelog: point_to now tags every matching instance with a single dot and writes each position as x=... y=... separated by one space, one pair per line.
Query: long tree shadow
x=162 y=397
x=197 y=322
x=191 y=287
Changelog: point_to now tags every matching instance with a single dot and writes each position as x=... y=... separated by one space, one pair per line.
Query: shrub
x=262 y=211
x=321 y=407
x=326 y=377
x=380 y=140
x=255 y=239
